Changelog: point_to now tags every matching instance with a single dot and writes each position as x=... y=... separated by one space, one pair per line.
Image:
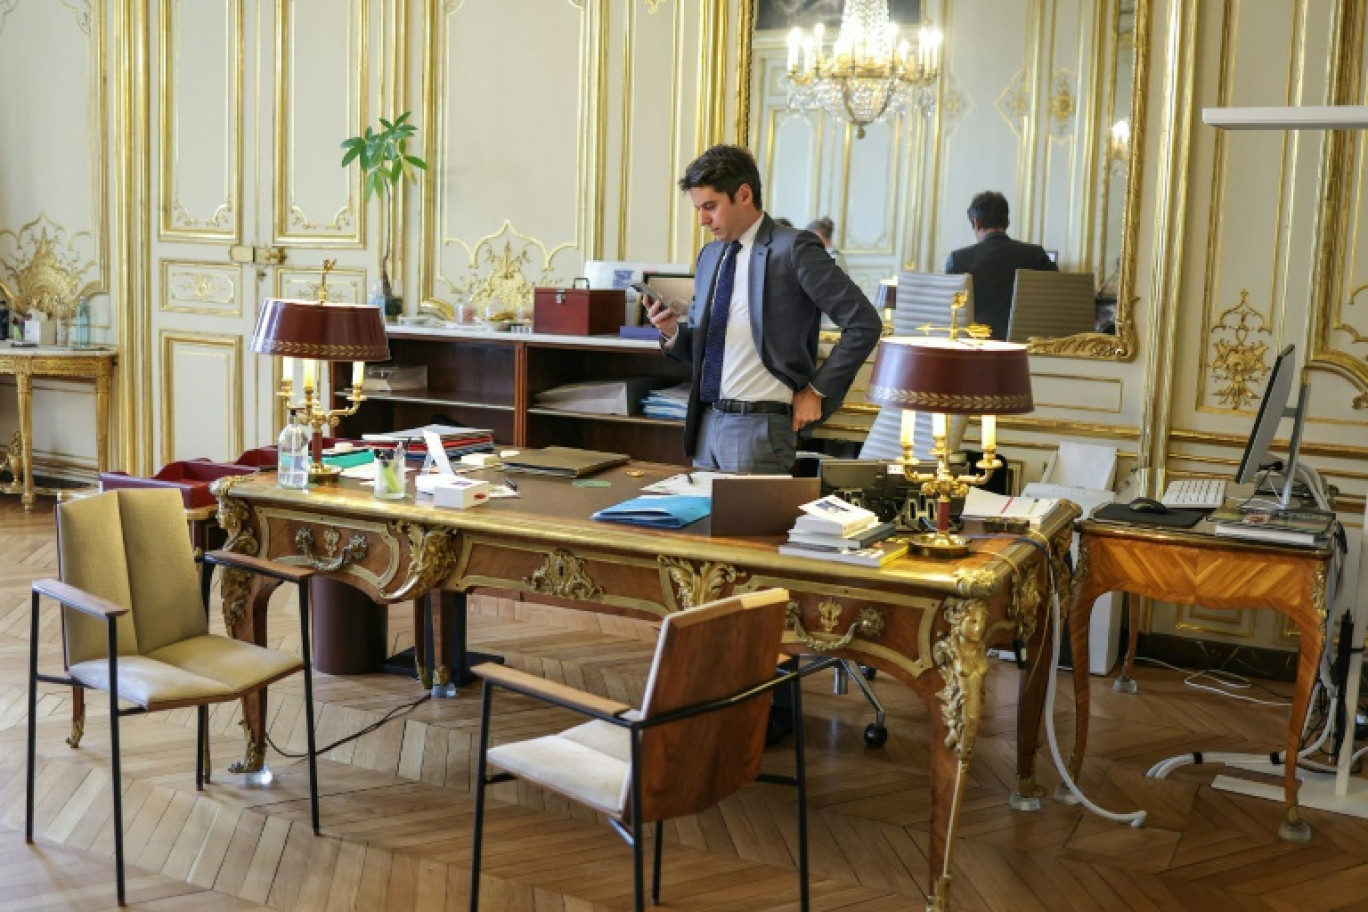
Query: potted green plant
x=384 y=163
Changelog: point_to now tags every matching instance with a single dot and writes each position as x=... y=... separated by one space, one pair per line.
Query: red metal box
x=578 y=311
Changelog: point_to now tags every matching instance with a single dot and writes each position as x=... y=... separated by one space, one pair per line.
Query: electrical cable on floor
x=1227 y=678
x=405 y=708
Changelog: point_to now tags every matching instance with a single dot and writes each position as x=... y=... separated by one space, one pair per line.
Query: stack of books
x=457 y=441
x=835 y=530
x=1306 y=528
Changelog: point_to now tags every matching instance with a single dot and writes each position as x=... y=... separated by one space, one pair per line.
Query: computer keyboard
x=1195 y=493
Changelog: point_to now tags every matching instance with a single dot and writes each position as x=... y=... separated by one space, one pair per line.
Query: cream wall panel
x=1072 y=393
x=321 y=100
x=201 y=396
x=526 y=171
x=201 y=119
x=63 y=424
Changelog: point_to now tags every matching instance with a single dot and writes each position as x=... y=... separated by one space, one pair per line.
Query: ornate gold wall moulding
x=1238 y=361
x=962 y=657
x=332 y=560
x=1063 y=105
x=431 y=557
x=868 y=623
x=343 y=220
x=43 y=269
x=693 y=587
x=563 y=575
x=222 y=217
x=505 y=283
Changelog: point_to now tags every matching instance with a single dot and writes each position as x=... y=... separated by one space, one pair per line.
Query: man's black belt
x=739 y=407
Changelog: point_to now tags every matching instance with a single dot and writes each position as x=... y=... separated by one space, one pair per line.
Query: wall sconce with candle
x=959 y=375
x=318 y=332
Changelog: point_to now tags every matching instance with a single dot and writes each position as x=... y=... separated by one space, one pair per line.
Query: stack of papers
x=833 y=516
x=981 y=504
x=833 y=529
x=1307 y=528
x=670 y=404
x=457 y=441
x=668 y=512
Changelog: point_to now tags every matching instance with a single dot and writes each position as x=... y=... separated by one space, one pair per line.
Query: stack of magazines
x=833 y=529
x=1307 y=528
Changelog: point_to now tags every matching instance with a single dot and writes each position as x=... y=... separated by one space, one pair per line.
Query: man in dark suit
x=751 y=334
x=994 y=260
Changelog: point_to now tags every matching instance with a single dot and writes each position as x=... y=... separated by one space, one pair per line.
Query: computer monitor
x=1273 y=408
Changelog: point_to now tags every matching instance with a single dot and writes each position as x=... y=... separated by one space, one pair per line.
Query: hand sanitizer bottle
x=293 y=451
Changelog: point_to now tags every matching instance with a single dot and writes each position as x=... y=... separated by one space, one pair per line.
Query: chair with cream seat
x=135 y=625
x=698 y=737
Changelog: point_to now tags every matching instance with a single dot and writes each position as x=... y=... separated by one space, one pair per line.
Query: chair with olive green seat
x=135 y=625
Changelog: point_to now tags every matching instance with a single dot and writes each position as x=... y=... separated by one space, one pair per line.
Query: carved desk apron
x=927 y=623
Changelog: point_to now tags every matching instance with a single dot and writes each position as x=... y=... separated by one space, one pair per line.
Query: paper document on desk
x=981 y=504
x=696 y=484
x=657 y=512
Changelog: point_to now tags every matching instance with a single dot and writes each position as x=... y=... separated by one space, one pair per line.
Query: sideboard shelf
x=490 y=380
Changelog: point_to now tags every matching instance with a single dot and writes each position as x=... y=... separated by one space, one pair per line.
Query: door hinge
x=243 y=253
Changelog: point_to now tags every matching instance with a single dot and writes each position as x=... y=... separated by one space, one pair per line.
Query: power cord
x=405 y=708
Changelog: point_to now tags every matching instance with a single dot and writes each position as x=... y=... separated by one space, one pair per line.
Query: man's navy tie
x=710 y=389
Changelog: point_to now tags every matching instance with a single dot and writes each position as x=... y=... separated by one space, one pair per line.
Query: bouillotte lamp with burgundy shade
x=960 y=375
x=318 y=331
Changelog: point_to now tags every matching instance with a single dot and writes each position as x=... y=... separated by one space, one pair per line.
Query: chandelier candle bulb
x=795 y=41
x=310 y=370
x=908 y=435
x=287 y=369
x=358 y=373
x=938 y=424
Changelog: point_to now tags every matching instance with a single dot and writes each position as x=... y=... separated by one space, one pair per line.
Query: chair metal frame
x=69 y=596
x=790 y=678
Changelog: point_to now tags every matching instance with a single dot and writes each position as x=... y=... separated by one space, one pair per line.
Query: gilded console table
x=94 y=364
x=927 y=623
x=1195 y=567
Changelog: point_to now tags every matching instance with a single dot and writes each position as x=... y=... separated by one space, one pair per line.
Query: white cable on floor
x=1135 y=818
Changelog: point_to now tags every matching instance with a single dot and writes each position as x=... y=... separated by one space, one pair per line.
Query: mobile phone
x=645 y=292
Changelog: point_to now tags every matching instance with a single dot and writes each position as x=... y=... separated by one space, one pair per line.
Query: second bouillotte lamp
x=959 y=375
x=316 y=332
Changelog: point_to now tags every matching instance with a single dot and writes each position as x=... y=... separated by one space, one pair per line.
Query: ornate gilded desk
x=926 y=623
x=1196 y=567
x=96 y=365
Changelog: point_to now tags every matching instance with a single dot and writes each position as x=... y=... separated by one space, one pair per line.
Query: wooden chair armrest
x=285 y=572
x=79 y=599
x=539 y=688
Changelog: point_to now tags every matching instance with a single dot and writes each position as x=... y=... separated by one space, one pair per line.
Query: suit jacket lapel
x=756 y=291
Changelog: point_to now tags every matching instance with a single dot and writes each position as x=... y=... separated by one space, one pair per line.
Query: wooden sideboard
x=491 y=380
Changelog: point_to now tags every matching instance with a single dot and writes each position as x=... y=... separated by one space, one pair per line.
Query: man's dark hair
x=822 y=226
x=989 y=209
x=725 y=169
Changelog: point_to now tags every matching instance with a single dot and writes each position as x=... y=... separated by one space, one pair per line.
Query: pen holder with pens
x=389 y=474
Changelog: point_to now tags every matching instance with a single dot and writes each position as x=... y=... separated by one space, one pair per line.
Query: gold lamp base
x=940 y=545
x=321 y=474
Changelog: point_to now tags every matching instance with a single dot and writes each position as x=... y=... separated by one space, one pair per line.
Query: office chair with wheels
x=135 y=625
x=697 y=738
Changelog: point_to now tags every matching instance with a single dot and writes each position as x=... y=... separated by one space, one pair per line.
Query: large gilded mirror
x=1042 y=107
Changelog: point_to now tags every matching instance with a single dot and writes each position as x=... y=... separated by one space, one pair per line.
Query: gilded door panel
x=201 y=406
x=200 y=89
x=321 y=99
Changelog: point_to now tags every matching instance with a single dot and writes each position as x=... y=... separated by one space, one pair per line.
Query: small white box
x=479 y=459
x=460 y=493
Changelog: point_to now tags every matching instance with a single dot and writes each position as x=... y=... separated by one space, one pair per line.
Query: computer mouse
x=1147 y=505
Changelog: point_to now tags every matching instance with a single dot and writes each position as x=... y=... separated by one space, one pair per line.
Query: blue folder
x=672 y=512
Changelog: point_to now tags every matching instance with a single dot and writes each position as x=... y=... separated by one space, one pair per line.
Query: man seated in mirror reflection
x=825 y=228
x=994 y=260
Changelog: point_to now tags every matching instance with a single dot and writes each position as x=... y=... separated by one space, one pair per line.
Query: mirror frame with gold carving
x=1118 y=346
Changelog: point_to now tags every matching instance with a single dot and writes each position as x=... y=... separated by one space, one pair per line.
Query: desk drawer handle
x=869 y=622
x=356 y=550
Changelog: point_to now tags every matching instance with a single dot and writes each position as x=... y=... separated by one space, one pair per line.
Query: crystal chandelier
x=869 y=75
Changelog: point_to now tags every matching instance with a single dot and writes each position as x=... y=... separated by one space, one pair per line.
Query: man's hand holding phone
x=660 y=314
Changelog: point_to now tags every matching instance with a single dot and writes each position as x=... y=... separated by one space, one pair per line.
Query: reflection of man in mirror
x=994 y=260
x=824 y=228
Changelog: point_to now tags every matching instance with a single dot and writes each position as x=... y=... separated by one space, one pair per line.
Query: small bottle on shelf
x=80 y=330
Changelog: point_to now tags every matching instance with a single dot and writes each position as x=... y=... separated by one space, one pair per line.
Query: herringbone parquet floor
x=396 y=802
